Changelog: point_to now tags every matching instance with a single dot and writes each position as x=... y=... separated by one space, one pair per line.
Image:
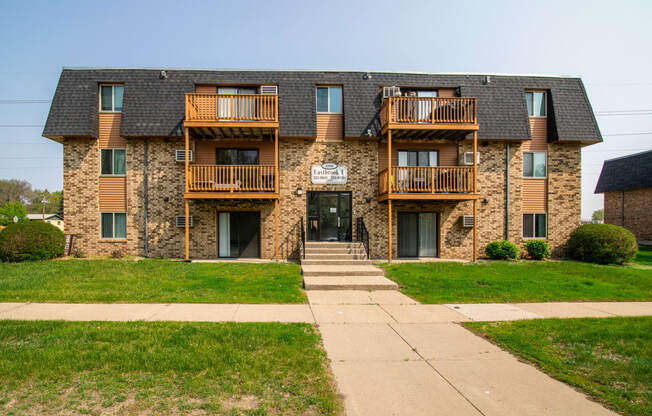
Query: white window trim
x=113 y=110
x=535 y=177
x=119 y=175
x=545 y=94
x=534 y=226
x=328 y=87
x=114 y=237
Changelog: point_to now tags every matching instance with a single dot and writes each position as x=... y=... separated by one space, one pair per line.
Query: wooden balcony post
x=389 y=234
x=231 y=178
x=389 y=162
x=276 y=190
x=187 y=230
x=276 y=229
x=475 y=191
x=187 y=151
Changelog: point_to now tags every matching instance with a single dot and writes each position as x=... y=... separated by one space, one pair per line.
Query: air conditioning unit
x=391 y=92
x=181 y=221
x=180 y=155
x=467 y=158
x=269 y=90
x=467 y=221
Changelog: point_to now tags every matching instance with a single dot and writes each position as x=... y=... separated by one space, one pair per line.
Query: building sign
x=328 y=174
x=68 y=246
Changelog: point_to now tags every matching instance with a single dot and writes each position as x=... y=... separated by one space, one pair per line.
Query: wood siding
x=205 y=150
x=205 y=89
x=446 y=92
x=113 y=195
x=539 y=130
x=330 y=127
x=535 y=193
x=109 y=131
x=447 y=152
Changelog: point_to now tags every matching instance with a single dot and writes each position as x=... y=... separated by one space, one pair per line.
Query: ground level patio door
x=417 y=234
x=238 y=234
x=329 y=216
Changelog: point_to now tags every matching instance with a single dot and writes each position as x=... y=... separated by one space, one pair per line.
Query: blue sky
x=607 y=43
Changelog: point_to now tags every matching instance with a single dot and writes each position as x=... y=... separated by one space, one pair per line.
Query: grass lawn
x=55 y=367
x=150 y=281
x=644 y=256
x=609 y=358
x=526 y=281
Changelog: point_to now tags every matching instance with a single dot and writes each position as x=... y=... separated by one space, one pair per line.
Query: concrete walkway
x=390 y=354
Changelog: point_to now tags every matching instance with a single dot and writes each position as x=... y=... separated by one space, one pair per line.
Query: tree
x=10 y=210
x=15 y=190
x=598 y=215
x=52 y=205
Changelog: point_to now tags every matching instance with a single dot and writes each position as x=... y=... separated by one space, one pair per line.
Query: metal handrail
x=303 y=240
x=362 y=235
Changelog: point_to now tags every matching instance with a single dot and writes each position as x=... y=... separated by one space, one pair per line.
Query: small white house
x=54 y=219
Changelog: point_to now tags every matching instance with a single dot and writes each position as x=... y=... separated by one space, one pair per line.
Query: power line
x=24 y=101
x=21 y=125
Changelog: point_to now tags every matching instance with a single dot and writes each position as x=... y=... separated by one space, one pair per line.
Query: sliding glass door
x=417 y=234
x=238 y=234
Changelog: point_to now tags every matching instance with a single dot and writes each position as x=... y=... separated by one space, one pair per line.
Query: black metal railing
x=362 y=235
x=302 y=250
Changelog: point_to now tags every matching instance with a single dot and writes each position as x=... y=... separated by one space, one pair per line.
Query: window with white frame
x=113 y=161
x=536 y=103
x=534 y=165
x=535 y=225
x=111 y=97
x=329 y=99
x=113 y=225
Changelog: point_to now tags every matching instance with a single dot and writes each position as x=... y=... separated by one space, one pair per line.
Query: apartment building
x=626 y=183
x=232 y=164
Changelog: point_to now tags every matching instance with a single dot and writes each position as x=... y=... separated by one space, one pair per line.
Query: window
x=534 y=164
x=535 y=225
x=113 y=161
x=536 y=103
x=417 y=158
x=114 y=224
x=236 y=156
x=111 y=97
x=329 y=99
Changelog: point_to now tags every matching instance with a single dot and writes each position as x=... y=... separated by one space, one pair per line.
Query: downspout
x=146 y=196
x=622 y=208
x=507 y=192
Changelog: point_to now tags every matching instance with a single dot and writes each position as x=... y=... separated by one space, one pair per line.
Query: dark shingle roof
x=628 y=172
x=155 y=107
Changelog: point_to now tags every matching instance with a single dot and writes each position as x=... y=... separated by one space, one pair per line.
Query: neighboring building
x=338 y=152
x=54 y=219
x=626 y=183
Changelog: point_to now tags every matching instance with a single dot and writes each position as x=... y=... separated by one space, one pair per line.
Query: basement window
x=535 y=225
x=111 y=97
x=114 y=225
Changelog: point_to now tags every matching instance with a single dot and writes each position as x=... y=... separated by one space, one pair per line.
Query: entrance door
x=329 y=216
x=238 y=234
x=417 y=234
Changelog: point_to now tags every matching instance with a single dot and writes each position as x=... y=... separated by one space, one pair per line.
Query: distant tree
x=15 y=190
x=52 y=205
x=60 y=208
x=10 y=210
x=598 y=215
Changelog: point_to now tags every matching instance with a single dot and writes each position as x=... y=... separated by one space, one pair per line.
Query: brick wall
x=637 y=203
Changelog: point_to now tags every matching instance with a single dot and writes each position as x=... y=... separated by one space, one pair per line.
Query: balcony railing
x=441 y=179
x=428 y=110
x=230 y=178
x=232 y=107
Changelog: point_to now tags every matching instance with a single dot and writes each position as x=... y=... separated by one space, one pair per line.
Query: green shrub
x=602 y=243
x=538 y=249
x=501 y=250
x=33 y=240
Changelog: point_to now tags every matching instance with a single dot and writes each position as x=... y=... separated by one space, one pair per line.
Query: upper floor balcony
x=231 y=115
x=429 y=117
x=231 y=182
x=427 y=182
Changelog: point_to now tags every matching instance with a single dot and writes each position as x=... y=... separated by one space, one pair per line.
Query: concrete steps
x=341 y=266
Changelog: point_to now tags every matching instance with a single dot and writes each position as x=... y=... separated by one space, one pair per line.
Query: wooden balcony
x=427 y=183
x=231 y=182
x=231 y=115
x=429 y=117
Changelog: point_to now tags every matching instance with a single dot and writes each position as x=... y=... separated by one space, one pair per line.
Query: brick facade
x=636 y=216
x=166 y=184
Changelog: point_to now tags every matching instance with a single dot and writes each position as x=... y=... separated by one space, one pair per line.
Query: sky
x=607 y=43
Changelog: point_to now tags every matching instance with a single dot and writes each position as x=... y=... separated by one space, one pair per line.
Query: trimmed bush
x=602 y=244
x=538 y=249
x=33 y=240
x=501 y=250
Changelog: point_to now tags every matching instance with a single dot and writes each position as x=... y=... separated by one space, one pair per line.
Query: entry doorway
x=418 y=234
x=329 y=216
x=238 y=234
